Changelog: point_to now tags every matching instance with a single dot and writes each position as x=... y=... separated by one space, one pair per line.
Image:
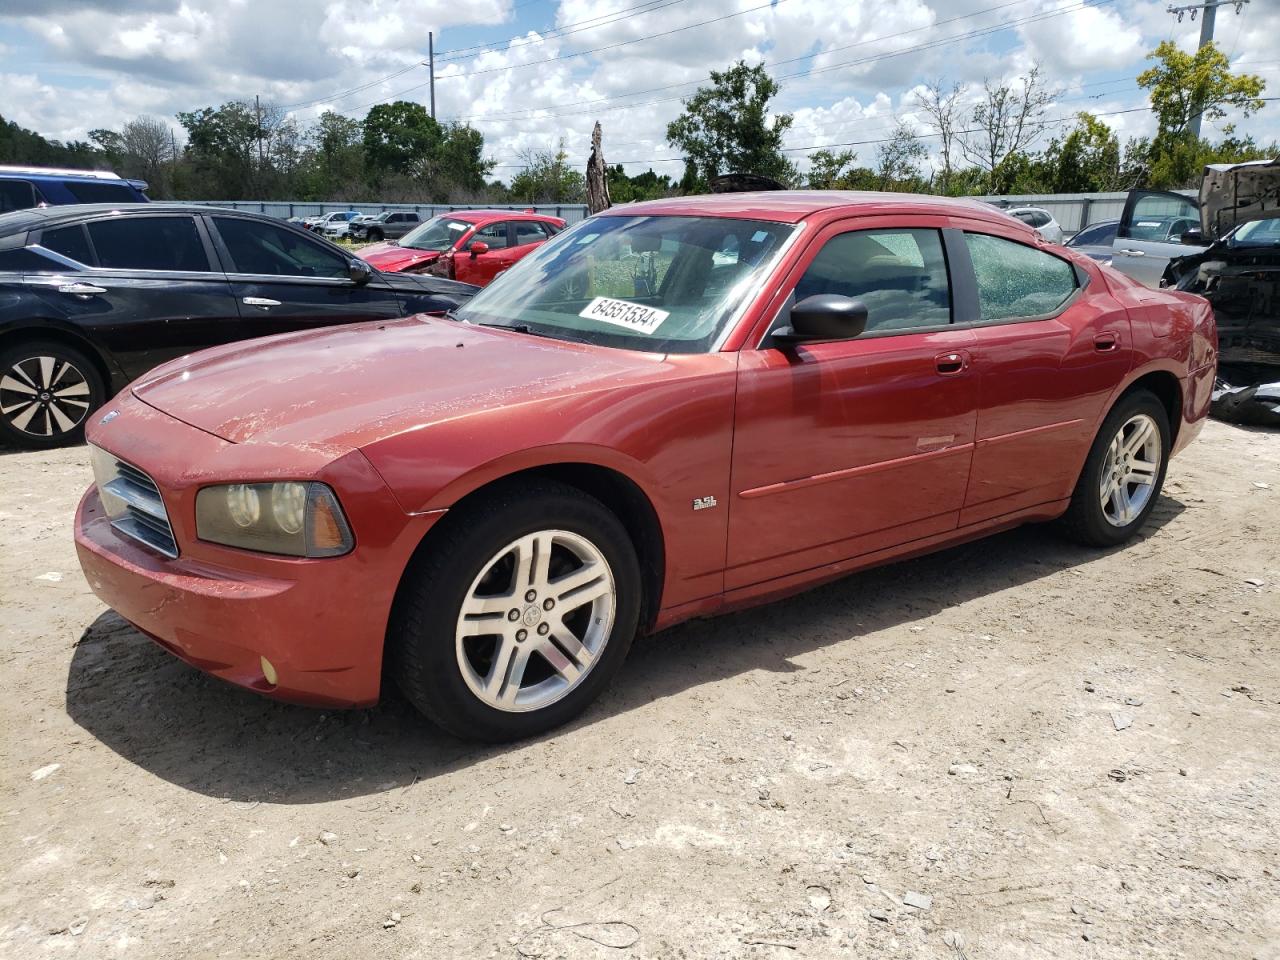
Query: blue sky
x=529 y=73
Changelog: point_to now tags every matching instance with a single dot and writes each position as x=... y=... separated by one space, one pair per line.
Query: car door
x=481 y=268
x=1049 y=359
x=1142 y=248
x=847 y=447
x=284 y=279
x=151 y=292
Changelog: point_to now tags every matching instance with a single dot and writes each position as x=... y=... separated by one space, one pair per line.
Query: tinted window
x=23 y=260
x=264 y=248
x=17 y=195
x=1152 y=213
x=529 y=231
x=1015 y=280
x=87 y=192
x=69 y=241
x=148 y=243
x=901 y=275
x=1099 y=234
x=495 y=235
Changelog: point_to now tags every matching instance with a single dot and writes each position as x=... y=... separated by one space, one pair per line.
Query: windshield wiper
x=517 y=327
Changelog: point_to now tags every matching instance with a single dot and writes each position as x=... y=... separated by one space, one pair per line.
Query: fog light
x=268 y=671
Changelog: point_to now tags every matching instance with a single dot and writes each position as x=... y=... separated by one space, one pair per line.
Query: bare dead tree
x=148 y=147
x=597 y=175
x=1007 y=120
x=942 y=110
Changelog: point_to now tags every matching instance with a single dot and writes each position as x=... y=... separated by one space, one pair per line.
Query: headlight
x=290 y=518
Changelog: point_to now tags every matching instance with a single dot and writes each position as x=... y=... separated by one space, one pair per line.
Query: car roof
x=36 y=218
x=792 y=206
x=476 y=216
x=1012 y=210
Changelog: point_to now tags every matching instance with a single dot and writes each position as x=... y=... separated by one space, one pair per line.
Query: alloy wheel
x=535 y=620
x=44 y=396
x=1129 y=472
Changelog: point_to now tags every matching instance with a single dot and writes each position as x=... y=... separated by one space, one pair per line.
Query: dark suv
x=93 y=296
x=24 y=187
x=389 y=225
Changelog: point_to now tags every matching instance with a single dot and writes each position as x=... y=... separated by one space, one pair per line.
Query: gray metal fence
x=1073 y=210
x=571 y=212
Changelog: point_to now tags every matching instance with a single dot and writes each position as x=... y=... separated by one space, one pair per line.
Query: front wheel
x=1123 y=475
x=374 y=236
x=515 y=617
x=47 y=391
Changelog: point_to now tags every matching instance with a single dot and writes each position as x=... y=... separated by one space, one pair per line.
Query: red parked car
x=473 y=246
x=673 y=409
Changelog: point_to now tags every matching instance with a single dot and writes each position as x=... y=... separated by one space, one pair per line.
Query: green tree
x=827 y=170
x=1185 y=84
x=1086 y=160
x=460 y=165
x=547 y=178
x=400 y=138
x=643 y=186
x=221 y=146
x=336 y=156
x=725 y=128
x=898 y=160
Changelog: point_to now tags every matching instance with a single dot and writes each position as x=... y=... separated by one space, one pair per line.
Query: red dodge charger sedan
x=473 y=246
x=671 y=409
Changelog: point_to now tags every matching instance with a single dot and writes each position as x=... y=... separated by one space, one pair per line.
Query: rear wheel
x=515 y=617
x=1123 y=475
x=47 y=391
x=375 y=236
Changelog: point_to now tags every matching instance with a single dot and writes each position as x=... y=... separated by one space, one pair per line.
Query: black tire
x=374 y=236
x=1086 y=519
x=66 y=388
x=422 y=649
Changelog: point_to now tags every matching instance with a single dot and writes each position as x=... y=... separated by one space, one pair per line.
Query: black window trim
x=228 y=263
x=966 y=308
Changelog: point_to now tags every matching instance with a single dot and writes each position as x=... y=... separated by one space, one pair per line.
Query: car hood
x=392 y=257
x=346 y=387
x=417 y=283
x=1233 y=193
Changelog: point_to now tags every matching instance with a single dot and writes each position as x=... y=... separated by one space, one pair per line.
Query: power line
x=543 y=114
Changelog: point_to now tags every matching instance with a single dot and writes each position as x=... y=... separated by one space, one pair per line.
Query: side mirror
x=1193 y=238
x=825 y=316
x=477 y=248
x=359 y=272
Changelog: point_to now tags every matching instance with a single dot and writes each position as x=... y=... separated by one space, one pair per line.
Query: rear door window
x=149 y=243
x=529 y=231
x=901 y=276
x=495 y=235
x=1017 y=281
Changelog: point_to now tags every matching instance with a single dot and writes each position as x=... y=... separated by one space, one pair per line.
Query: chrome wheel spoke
x=11 y=383
x=1142 y=471
x=64 y=422
x=1138 y=438
x=24 y=418
x=535 y=620
x=75 y=390
x=1129 y=471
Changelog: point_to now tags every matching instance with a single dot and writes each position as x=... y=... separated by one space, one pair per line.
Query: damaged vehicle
x=1239 y=273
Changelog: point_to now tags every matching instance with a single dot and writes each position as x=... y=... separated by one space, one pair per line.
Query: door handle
x=1104 y=342
x=1132 y=253
x=81 y=289
x=262 y=302
x=950 y=364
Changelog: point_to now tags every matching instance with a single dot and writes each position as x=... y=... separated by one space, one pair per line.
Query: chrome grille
x=133 y=503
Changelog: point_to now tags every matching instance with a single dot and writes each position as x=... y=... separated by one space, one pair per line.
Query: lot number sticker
x=623 y=313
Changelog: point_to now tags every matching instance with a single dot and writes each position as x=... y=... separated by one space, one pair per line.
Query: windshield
x=662 y=284
x=438 y=233
x=1257 y=233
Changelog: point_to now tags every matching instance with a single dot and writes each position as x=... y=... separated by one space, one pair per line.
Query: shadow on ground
x=204 y=735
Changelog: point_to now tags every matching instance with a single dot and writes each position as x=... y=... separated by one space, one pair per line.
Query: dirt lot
x=770 y=784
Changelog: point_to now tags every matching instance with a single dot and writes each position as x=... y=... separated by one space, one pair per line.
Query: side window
x=91 y=192
x=23 y=260
x=529 y=231
x=495 y=235
x=1102 y=234
x=901 y=275
x=71 y=242
x=149 y=243
x=1015 y=280
x=17 y=195
x=1153 y=212
x=264 y=248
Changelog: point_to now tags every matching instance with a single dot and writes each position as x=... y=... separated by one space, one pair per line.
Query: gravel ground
x=1016 y=748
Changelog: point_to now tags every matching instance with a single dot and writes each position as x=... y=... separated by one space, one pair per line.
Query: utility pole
x=431 y=61
x=1209 y=14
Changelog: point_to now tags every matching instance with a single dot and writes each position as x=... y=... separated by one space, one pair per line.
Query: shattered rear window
x=1015 y=280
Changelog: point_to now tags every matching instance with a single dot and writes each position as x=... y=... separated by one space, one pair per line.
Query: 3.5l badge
x=704 y=503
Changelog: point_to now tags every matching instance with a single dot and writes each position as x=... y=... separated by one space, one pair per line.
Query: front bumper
x=321 y=623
